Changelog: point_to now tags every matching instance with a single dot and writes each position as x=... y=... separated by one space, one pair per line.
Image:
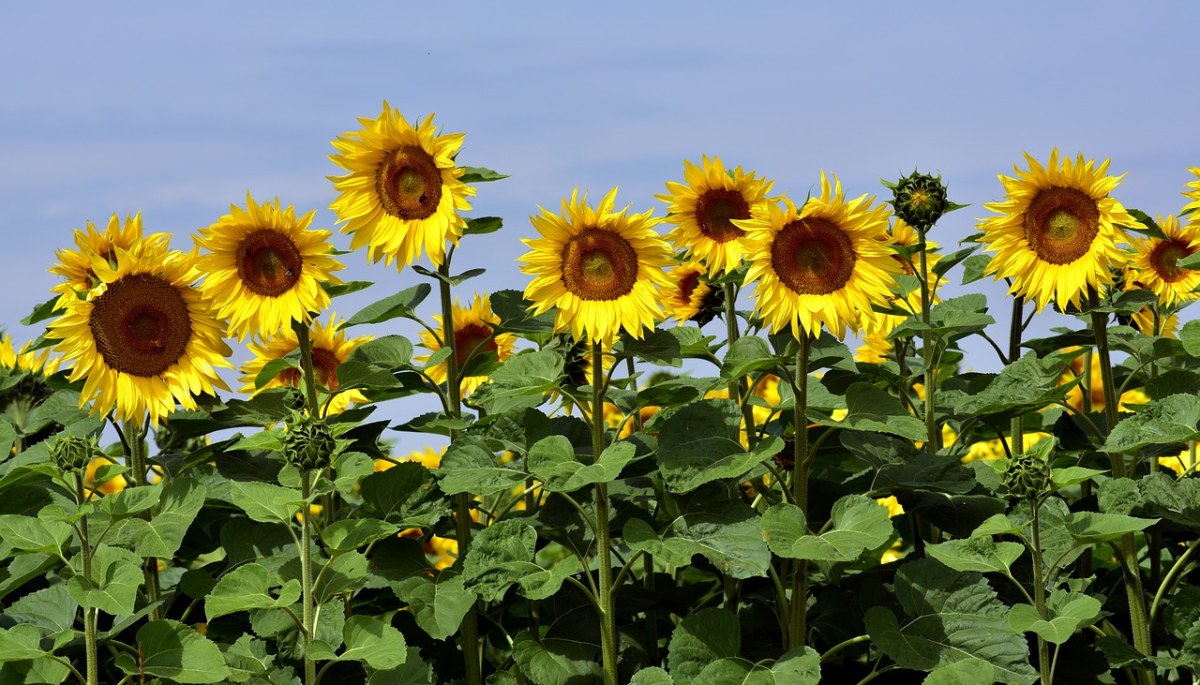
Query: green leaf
x=390 y=353
x=414 y=671
x=1189 y=335
x=503 y=555
x=345 y=288
x=747 y=355
x=368 y=640
x=21 y=642
x=180 y=503
x=1071 y=475
x=514 y=313
x=247 y=658
x=954 y=318
x=265 y=440
x=116 y=577
x=42 y=312
x=555 y=661
x=271 y=370
x=343 y=573
x=967 y=672
x=859 y=524
x=1029 y=383
x=402 y=304
x=172 y=650
x=1167 y=421
x=552 y=461
x=724 y=532
x=51 y=609
x=520 y=382
x=703 y=637
x=1068 y=611
x=469 y=465
x=980 y=554
x=947 y=262
x=437 y=604
x=478 y=174
x=651 y=676
x=483 y=225
x=130 y=501
x=701 y=443
x=872 y=409
x=248 y=587
x=449 y=280
x=1175 y=499
x=29 y=534
x=349 y=534
x=949 y=617
x=974 y=267
x=1089 y=527
x=404 y=495
x=266 y=503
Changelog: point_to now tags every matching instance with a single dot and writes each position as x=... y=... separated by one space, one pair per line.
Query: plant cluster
x=620 y=500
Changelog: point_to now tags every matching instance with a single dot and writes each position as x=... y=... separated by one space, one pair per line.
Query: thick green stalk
x=736 y=386
x=1017 y=431
x=1039 y=591
x=799 y=604
x=139 y=468
x=469 y=628
x=89 y=614
x=934 y=436
x=608 y=625
x=306 y=578
x=1138 y=617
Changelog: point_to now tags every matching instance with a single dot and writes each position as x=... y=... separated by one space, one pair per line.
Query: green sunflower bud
x=73 y=452
x=309 y=443
x=920 y=200
x=1027 y=477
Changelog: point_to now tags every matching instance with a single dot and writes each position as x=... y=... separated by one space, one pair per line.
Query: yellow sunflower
x=1074 y=397
x=875 y=348
x=1057 y=232
x=1154 y=261
x=601 y=268
x=403 y=193
x=687 y=291
x=330 y=349
x=1149 y=322
x=144 y=339
x=75 y=266
x=36 y=362
x=265 y=267
x=823 y=265
x=472 y=334
x=878 y=325
x=427 y=457
x=1193 y=191
x=704 y=210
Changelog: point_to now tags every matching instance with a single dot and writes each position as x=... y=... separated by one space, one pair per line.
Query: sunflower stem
x=139 y=468
x=304 y=342
x=933 y=440
x=1017 y=427
x=89 y=614
x=306 y=578
x=469 y=628
x=737 y=385
x=608 y=626
x=1039 y=590
x=1138 y=617
x=799 y=603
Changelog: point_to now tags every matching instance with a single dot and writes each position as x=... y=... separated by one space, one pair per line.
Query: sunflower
x=1129 y=398
x=427 y=457
x=38 y=362
x=875 y=348
x=1183 y=463
x=1154 y=261
x=601 y=268
x=264 y=267
x=688 y=293
x=1057 y=232
x=1193 y=191
x=1150 y=322
x=472 y=334
x=330 y=349
x=823 y=265
x=143 y=340
x=877 y=326
x=75 y=266
x=705 y=208
x=403 y=193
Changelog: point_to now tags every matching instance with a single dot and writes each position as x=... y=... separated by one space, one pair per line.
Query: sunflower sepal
x=920 y=199
x=309 y=443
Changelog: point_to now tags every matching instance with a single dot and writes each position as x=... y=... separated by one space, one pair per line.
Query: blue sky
x=176 y=110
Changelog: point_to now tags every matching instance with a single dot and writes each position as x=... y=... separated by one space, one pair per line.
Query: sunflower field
x=733 y=438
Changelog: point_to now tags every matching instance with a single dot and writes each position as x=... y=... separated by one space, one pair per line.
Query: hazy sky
x=176 y=110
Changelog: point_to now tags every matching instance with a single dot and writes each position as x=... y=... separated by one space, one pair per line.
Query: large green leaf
x=20 y=642
x=1067 y=612
x=1175 y=499
x=552 y=461
x=402 y=304
x=29 y=534
x=248 y=587
x=747 y=355
x=871 y=409
x=980 y=554
x=265 y=502
x=1026 y=384
x=469 y=465
x=341 y=574
x=503 y=555
x=651 y=676
x=116 y=577
x=701 y=638
x=701 y=443
x=51 y=609
x=404 y=495
x=724 y=532
x=949 y=617
x=437 y=604
x=129 y=501
x=348 y=535
x=520 y=382
x=859 y=524
x=555 y=661
x=181 y=501
x=368 y=640
x=1089 y=527
x=248 y=658
x=172 y=650
x=967 y=672
x=1168 y=421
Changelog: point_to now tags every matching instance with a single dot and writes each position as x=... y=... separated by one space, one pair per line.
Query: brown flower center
x=472 y=338
x=599 y=265
x=1060 y=224
x=1164 y=258
x=813 y=256
x=325 y=366
x=687 y=286
x=409 y=184
x=141 y=325
x=269 y=263
x=716 y=209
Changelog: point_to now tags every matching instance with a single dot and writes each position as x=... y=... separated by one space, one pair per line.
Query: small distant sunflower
x=1057 y=232
x=403 y=193
x=1193 y=191
x=704 y=211
x=427 y=457
x=265 y=267
x=823 y=265
x=144 y=339
x=875 y=348
x=36 y=362
x=601 y=268
x=75 y=266
x=330 y=350
x=472 y=334
x=688 y=293
x=1148 y=322
x=1154 y=261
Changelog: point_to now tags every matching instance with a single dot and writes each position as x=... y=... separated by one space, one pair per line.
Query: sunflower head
x=704 y=209
x=403 y=193
x=1193 y=191
x=75 y=266
x=144 y=339
x=601 y=268
x=1056 y=233
x=474 y=335
x=264 y=268
x=1155 y=261
x=73 y=453
x=920 y=199
x=820 y=266
x=690 y=297
x=309 y=442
